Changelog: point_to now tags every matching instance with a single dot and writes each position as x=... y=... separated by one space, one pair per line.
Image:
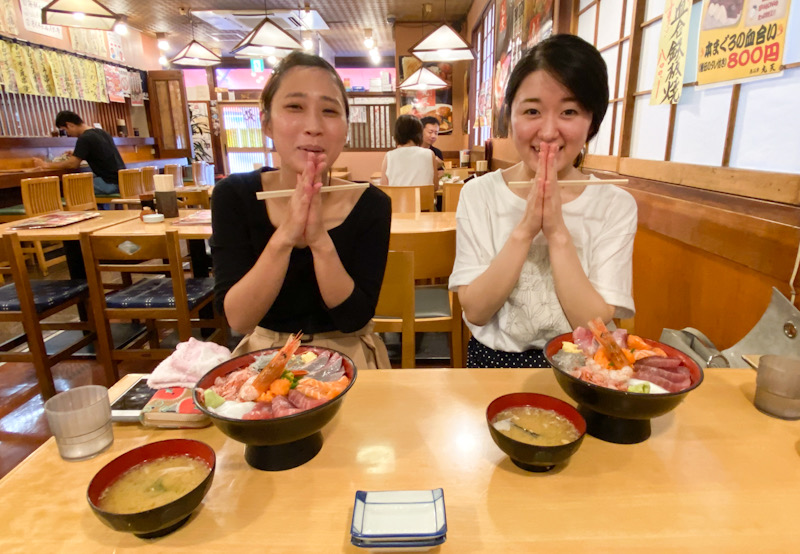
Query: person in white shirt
x=532 y=263
x=408 y=164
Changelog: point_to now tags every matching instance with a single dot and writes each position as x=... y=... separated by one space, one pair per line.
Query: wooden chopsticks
x=526 y=184
x=265 y=194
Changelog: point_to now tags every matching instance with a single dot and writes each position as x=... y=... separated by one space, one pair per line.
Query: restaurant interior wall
x=712 y=240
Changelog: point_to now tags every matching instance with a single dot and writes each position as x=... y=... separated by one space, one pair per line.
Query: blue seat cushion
x=157 y=293
x=46 y=294
x=433 y=301
x=19 y=209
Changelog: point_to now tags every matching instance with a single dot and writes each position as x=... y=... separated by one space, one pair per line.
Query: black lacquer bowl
x=619 y=416
x=279 y=443
x=164 y=519
x=532 y=457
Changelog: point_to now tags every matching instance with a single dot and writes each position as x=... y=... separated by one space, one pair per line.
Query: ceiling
x=346 y=19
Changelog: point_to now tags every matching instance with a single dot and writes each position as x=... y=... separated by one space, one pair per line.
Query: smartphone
x=129 y=405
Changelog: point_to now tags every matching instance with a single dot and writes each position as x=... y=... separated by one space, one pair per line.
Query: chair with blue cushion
x=30 y=303
x=163 y=299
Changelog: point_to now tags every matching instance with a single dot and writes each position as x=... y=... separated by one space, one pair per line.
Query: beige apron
x=364 y=347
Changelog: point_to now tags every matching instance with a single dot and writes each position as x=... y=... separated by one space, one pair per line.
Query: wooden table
x=716 y=476
x=423 y=222
x=71 y=234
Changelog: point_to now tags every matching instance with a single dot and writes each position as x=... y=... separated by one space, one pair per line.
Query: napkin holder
x=165 y=196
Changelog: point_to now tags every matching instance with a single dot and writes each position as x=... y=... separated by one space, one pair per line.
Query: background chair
x=176 y=172
x=148 y=183
x=437 y=309
x=395 y=310
x=42 y=195
x=29 y=303
x=404 y=199
x=168 y=300
x=130 y=187
x=451 y=193
x=79 y=191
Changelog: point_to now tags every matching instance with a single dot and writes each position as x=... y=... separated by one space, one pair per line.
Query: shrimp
x=277 y=365
x=616 y=357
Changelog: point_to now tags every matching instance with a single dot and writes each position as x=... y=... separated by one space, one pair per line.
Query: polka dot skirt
x=479 y=355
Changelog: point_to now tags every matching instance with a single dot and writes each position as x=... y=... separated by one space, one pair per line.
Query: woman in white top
x=533 y=263
x=408 y=164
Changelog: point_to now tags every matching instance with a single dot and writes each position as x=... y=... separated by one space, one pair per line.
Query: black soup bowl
x=532 y=457
x=619 y=416
x=282 y=442
x=162 y=520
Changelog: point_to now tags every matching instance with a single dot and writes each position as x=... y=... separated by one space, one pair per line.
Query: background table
x=716 y=476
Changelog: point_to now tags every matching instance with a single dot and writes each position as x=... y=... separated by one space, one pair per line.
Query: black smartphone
x=130 y=403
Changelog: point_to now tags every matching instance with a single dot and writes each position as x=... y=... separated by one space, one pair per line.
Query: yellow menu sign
x=741 y=38
x=668 y=81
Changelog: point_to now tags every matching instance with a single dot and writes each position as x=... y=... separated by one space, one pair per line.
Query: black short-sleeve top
x=98 y=149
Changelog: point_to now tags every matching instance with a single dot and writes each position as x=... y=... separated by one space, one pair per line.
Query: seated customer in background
x=430 y=134
x=95 y=146
x=409 y=164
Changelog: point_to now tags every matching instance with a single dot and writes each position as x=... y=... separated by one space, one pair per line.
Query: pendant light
x=86 y=14
x=195 y=53
x=422 y=79
x=266 y=39
x=443 y=45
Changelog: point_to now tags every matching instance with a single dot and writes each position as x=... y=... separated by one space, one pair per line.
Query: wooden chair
x=79 y=191
x=395 y=310
x=148 y=183
x=451 y=193
x=437 y=309
x=130 y=187
x=427 y=198
x=404 y=199
x=168 y=300
x=29 y=303
x=42 y=195
x=177 y=173
x=460 y=172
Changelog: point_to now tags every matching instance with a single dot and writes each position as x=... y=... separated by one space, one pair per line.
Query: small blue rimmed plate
x=398 y=516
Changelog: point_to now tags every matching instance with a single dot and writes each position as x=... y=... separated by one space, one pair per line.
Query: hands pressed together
x=303 y=225
x=543 y=209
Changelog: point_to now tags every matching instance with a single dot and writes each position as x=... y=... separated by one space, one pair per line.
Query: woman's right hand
x=532 y=219
x=293 y=227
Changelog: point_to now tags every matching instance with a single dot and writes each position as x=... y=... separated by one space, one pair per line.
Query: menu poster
x=32 y=18
x=668 y=80
x=70 y=72
x=137 y=98
x=113 y=84
x=88 y=41
x=23 y=70
x=740 y=39
x=9 y=76
x=115 y=47
x=102 y=93
x=435 y=103
x=124 y=82
x=92 y=83
x=8 y=24
x=43 y=73
x=56 y=69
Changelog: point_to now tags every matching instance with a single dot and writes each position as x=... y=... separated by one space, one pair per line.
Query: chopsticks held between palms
x=265 y=194
x=580 y=182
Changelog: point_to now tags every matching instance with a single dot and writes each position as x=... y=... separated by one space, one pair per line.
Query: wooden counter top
x=717 y=475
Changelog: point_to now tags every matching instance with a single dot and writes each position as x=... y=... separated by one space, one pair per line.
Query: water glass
x=80 y=420
x=778 y=386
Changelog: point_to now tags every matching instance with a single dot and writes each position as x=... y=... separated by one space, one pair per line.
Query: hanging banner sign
x=32 y=18
x=740 y=39
x=668 y=81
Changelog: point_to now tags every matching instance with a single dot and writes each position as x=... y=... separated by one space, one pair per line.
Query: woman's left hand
x=552 y=218
x=312 y=177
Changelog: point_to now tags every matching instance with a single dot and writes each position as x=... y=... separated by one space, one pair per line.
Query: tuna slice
x=584 y=338
x=673 y=380
x=262 y=410
x=282 y=407
x=300 y=400
x=658 y=361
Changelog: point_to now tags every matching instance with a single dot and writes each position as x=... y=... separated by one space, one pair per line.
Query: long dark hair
x=299 y=59
x=574 y=63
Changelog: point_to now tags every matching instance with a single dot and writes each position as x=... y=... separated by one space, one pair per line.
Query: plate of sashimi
x=271 y=384
x=622 y=361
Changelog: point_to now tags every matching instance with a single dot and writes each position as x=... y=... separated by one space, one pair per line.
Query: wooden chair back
x=451 y=193
x=404 y=199
x=130 y=183
x=177 y=173
x=79 y=191
x=460 y=172
x=427 y=197
x=434 y=251
x=395 y=311
x=41 y=195
x=148 y=183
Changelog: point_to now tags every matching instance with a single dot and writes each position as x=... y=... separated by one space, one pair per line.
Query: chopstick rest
x=265 y=194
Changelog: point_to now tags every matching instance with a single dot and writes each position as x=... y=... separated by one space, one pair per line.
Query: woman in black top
x=312 y=262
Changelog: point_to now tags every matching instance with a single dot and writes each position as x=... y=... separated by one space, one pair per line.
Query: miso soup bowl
x=163 y=519
x=531 y=457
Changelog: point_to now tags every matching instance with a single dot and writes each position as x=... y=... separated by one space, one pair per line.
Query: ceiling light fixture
x=369 y=42
x=121 y=28
x=442 y=45
x=266 y=34
x=422 y=79
x=374 y=55
x=308 y=42
x=195 y=53
x=86 y=14
x=163 y=43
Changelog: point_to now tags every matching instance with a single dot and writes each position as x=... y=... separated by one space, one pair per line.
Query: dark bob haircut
x=67 y=116
x=407 y=128
x=574 y=63
x=299 y=59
